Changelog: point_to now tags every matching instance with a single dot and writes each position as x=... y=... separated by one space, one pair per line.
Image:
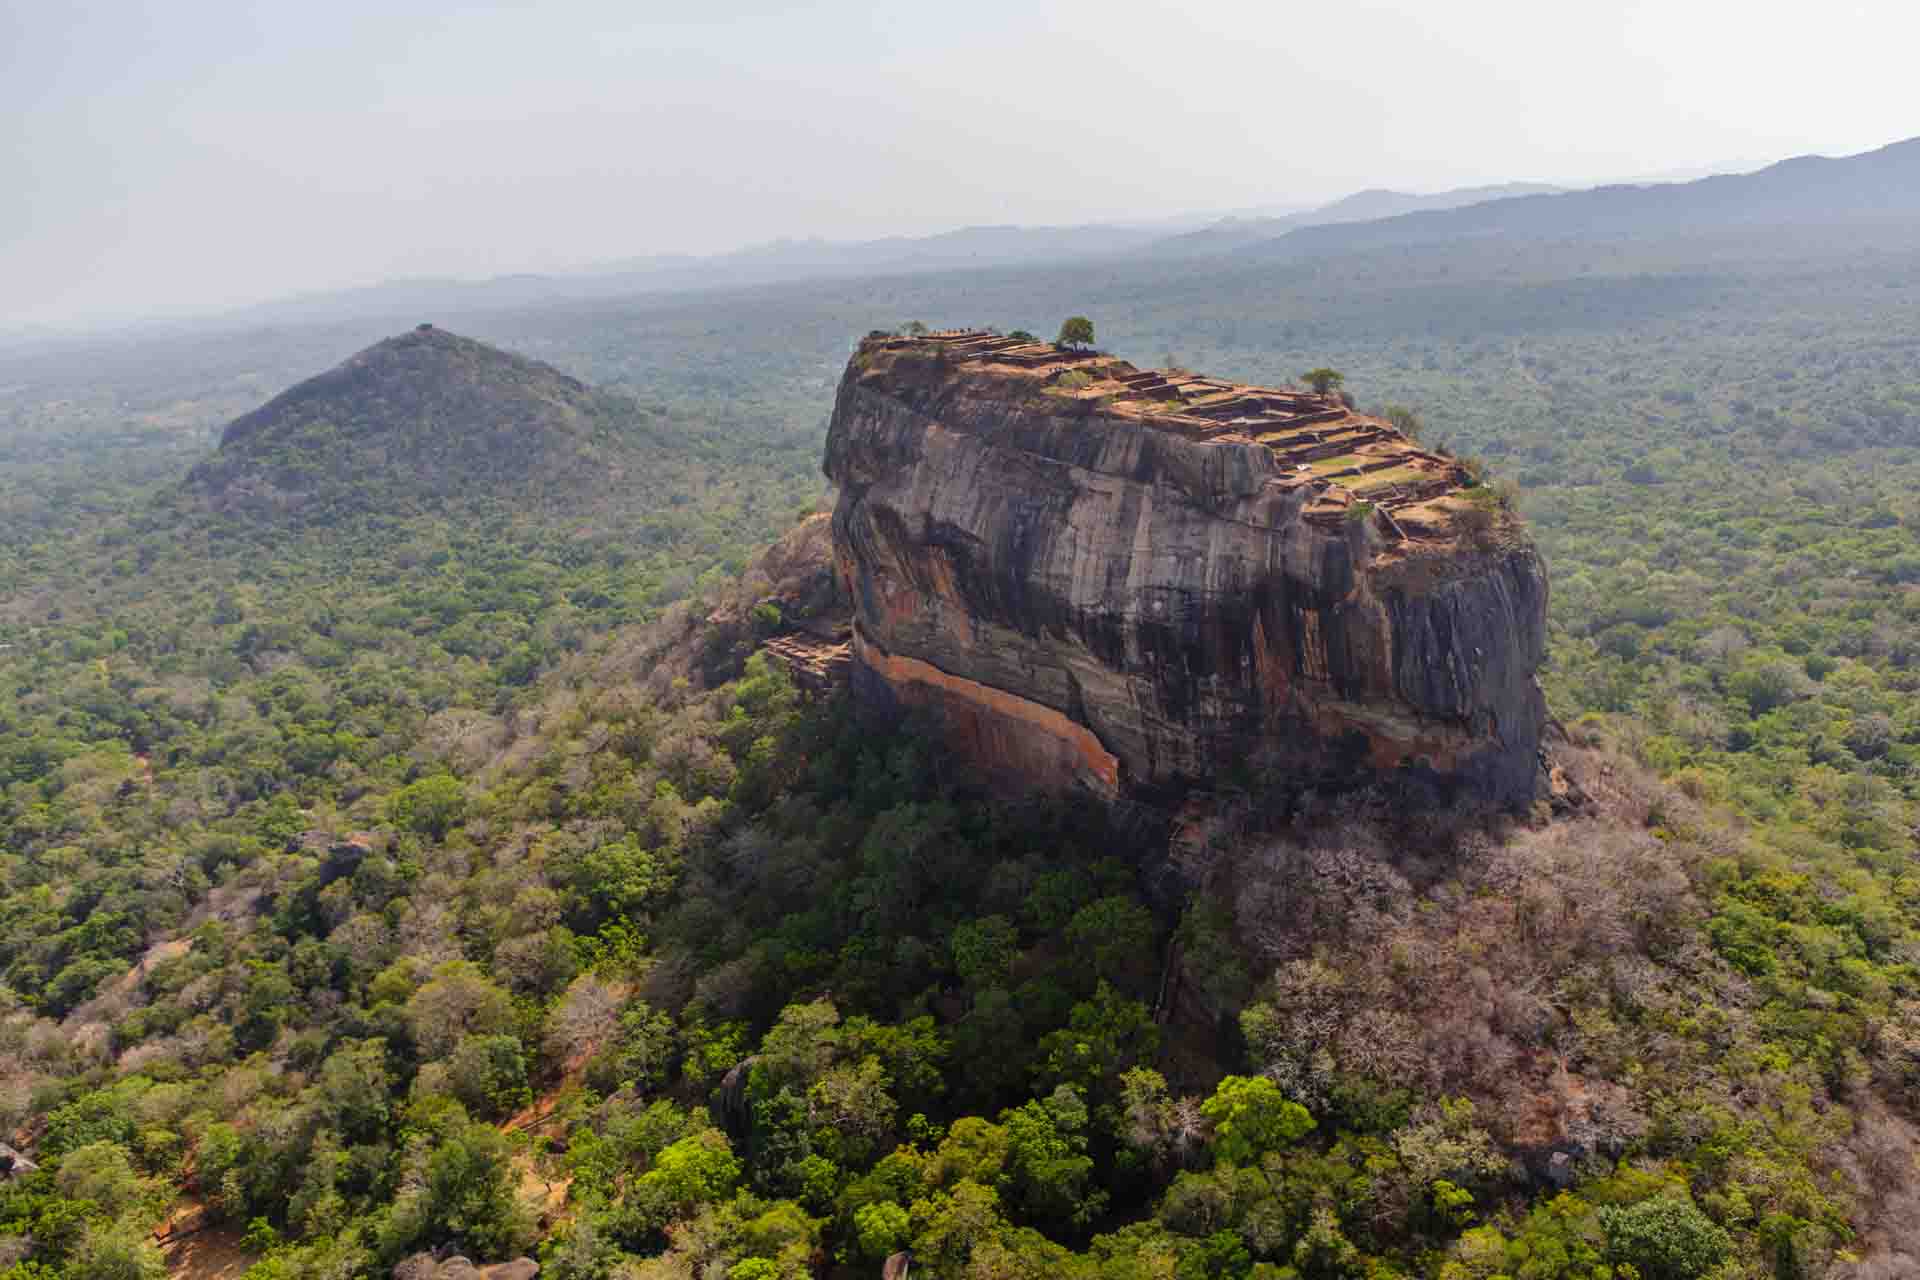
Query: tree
x=694 y=1171
x=881 y=1228
x=489 y=1075
x=430 y=806
x=854 y=1104
x=1104 y=1036
x=1323 y=379
x=468 y=1194
x=618 y=878
x=1666 y=1238
x=1252 y=1117
x=353 y=1088
x=1076 y=332
x=1021 y=335
x=1048 y=1169
x=993 y=1041
x=118 y=1252
x=584 y=1018
x=1765 y=681
x=983 y=950
x=268 y=1001
x=1115 y=933
x=458 y=1001
x=947 y=1226
x=974 y=1150
x=102 y=1173
x=1167 y=1129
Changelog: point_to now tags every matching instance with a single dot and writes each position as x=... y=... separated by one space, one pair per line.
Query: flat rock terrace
x=1351 y=463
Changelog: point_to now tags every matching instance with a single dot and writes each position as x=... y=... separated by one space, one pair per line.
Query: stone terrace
x=816 y=665
x=1343 y=457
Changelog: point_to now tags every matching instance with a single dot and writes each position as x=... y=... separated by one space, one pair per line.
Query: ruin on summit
x=1347 y=457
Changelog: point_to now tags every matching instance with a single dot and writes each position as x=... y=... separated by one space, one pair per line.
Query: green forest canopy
x=327 y=856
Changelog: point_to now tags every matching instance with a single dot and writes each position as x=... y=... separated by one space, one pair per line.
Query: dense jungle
x=446 y=871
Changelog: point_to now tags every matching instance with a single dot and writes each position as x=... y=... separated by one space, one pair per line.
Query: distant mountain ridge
x=775 y=262
x=1878 y=185
x=1361 y=206
x=415 y=421
x=1809 y=189
x=964 y=246
x=797 y=260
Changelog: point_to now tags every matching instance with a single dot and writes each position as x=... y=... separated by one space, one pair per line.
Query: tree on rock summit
x=1323 y=379
x=1076 y=332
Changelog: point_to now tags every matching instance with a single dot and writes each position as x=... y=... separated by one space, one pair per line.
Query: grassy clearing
x=1379 y=480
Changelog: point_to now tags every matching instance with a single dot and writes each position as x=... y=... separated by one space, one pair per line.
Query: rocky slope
x=1138 y=582
x=415 y=420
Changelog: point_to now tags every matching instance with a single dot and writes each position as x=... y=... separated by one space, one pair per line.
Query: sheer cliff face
x=1101 y=589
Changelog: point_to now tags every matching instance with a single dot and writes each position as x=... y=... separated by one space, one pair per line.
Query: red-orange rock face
x=1137 y=582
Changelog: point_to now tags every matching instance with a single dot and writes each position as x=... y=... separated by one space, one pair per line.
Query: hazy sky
x=192 y=152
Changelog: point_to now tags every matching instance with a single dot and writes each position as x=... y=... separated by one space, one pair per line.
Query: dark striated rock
x=1142 y=582
x=730 y=1103
x=344 y=858
x=13 y=1164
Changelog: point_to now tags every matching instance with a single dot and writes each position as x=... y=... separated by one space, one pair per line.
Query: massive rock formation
x=1141 y=582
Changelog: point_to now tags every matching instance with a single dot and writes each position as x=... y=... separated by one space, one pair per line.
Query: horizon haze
x=174 y=161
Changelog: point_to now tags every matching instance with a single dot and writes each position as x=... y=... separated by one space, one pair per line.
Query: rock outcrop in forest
x=1140 y=582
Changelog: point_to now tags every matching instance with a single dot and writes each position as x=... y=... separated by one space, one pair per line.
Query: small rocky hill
x=416 y=422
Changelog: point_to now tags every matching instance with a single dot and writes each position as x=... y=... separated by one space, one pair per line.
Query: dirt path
x=159 y=951
x=196 y=1251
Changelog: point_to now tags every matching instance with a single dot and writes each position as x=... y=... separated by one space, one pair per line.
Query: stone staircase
x=816 y=665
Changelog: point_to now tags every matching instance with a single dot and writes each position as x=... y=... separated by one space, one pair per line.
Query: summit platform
x=1344 y=457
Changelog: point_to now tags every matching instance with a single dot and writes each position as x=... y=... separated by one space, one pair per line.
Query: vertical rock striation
x=1140 y=582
